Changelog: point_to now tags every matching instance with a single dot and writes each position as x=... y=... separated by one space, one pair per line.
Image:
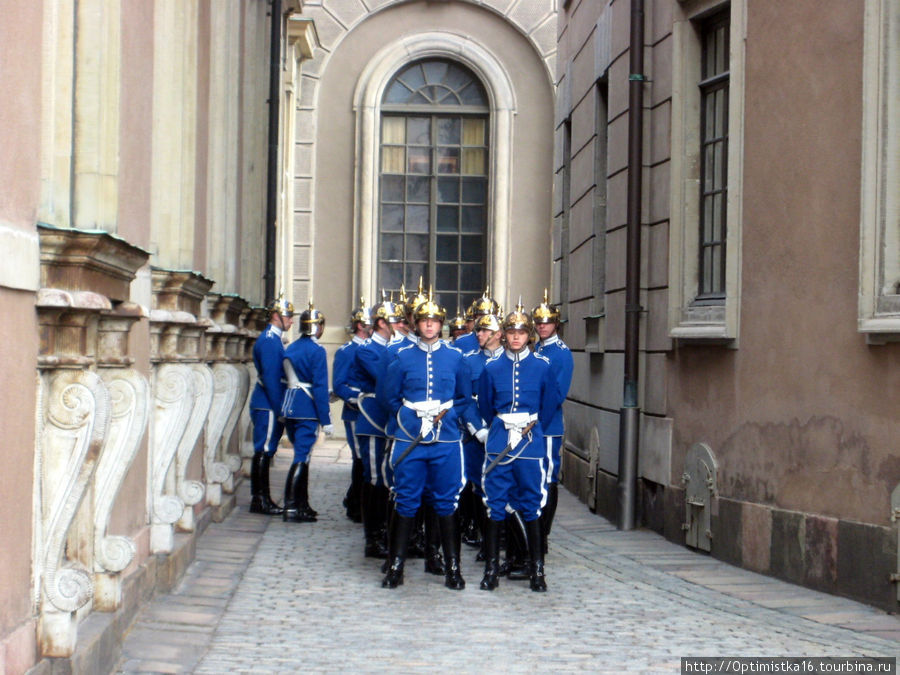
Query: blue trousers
x=303 y=435
x=522 y=483
x=554 y=458
x=267 y=431
x=433 y=471
x=371 y=452
x=350 y=430
x=473 y=452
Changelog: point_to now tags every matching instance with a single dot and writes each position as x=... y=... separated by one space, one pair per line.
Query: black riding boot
x=536 y=550
x=450 y=542
x=515 y=567
x=491 y=555
x=549 y=511
x=481 y=520
x=353 y=498
x=434 y=563
x=371 y=527
x=295 y=508
x=303 y=496
x=260 y=497
x=400 y=527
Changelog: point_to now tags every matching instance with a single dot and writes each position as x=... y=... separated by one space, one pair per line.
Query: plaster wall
x=804 y=402
x=20 y=174
x=336 y=147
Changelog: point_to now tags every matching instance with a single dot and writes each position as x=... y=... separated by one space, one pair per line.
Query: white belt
x=515 y=423
x=427 y=411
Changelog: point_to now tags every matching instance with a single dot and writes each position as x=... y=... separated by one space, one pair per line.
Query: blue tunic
x=341 y=382
x=368 y=367
x=306 y=407
x=268 y=393
x=466 y=343
x=561 y=364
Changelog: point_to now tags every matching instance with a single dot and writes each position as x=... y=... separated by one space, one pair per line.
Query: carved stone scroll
x=73 y=416
x=191 y=491
x=226 y=388
x=173 y=395
x=130 y=409
x=234 y=461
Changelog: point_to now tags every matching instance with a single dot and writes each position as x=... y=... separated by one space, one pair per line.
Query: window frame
x=879 y=250
x=692 y=317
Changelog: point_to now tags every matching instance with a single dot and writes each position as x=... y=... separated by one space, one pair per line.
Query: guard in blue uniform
x=479 y=308
x=368 y=369
x=546 y=324
x=457 y=326
x=489 y=334
x=428 y=385
x=305 y=409
x=517 y=395
x=344 y=388
x=265 y=404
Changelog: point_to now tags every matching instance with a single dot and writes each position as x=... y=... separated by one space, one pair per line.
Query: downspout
x=630 y=414
x=272 y=175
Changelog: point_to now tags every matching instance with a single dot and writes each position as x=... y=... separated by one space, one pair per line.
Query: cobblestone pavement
x=266 y=596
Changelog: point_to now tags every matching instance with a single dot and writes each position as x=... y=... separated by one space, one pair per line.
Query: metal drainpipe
x=272 y=177
x=630 y=415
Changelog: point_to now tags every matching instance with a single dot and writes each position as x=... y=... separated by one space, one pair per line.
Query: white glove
x=353 y=401
x=481 y=435
x=329 y=430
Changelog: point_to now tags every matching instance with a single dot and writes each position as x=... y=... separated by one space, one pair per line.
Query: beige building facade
x=768 y=357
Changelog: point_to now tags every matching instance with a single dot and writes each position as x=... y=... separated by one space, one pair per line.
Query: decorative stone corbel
x=182 y=293
x=130 y=409
x=72 y=419
x=173 y=396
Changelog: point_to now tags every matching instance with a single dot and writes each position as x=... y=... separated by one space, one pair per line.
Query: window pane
x=473 y=190
x=391 y=275
x=418 y=130
x=448 y=160
x=472 y=249
x=417 y=219
x=393 y=130
x=448 y=219
x=435 y=71
x=417 y=247
x=446 y=277
x=719 y=166
x=392 y=159
x=473 y=131
x=473 y=94
x=473 y=161
x=392 y=247
x=448 y=130
x=392 y=188
x=472 y=219
x=419 y=160
x=448 y=248
x=417 y=189
x=447 y=300
x=396 y=93
x=470 y=278
x=392 y=218
x=448 y=190
x=709 y=166
x=414 y=272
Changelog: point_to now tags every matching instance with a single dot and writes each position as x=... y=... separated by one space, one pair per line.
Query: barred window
x=713 y=157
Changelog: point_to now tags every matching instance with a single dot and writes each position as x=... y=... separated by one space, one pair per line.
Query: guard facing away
x=305 y=409
x=546 y=324
x=265 y=404
x=360 y=328
x=516 y=395
x=427 y=387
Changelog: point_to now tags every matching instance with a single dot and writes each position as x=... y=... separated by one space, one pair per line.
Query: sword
x=418 y=439
x=507 y=450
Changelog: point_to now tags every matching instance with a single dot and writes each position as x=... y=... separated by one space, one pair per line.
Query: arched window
x=433 y=196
